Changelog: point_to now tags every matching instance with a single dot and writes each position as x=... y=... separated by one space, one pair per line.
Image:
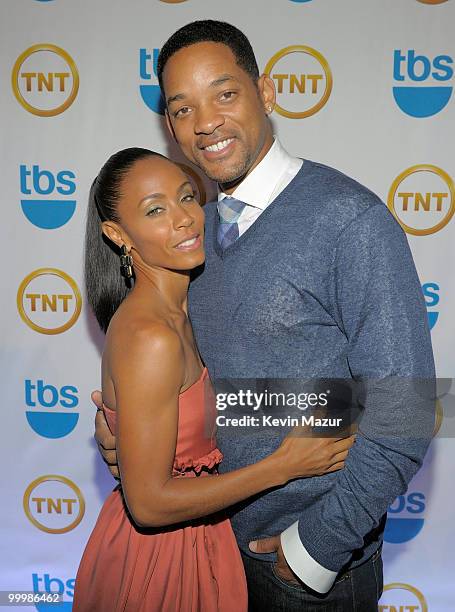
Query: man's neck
x=229 y=188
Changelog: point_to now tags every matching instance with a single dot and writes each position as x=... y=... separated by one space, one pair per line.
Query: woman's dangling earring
x=126 y=263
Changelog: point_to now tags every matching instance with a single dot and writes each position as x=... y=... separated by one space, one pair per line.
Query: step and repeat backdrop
x=362 y=85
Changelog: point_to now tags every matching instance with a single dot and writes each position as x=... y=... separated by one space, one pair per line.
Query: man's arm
x=381 y=310
x=104 y=438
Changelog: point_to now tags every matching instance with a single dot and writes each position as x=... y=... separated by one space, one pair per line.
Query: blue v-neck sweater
x=322 y=285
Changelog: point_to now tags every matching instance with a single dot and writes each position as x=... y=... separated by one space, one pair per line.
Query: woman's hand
x=300 y=456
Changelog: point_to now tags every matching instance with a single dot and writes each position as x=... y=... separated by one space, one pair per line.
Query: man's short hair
x=210 y=31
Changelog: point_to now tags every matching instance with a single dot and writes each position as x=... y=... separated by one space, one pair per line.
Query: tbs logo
x=54 y=504
x=45 y=584
x=151 y=94
x=431 y=295
x=45 y=80
x=404 y=519
x=422 y=84
x=46 y=208
x=51 y=423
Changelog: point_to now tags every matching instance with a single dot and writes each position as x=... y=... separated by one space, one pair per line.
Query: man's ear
x=267 y=92
x=113 y=231
x=169 y=125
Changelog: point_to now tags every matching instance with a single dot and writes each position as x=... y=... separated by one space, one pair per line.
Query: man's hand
x=282 y=569
x=103 y=436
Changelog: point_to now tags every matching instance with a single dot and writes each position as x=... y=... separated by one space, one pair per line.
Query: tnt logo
x=422 y=198
x=404 y=519
x=421 y=84
x=51 y=422
x=46 y=208
x=151 y=94
x=54 y=504
x=44 y=583
x=400 y=597
x=432 y=1
x=45 y=80
x=431 y=295
x=49 y=301
x=303 y=81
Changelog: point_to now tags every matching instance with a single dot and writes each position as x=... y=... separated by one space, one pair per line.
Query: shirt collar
x=258 y=186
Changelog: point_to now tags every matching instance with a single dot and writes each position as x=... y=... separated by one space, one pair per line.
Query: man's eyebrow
x=216 y=83
x=222 y=79
x=175 y=98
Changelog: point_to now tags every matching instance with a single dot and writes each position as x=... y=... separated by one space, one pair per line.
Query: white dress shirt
x=273 y=173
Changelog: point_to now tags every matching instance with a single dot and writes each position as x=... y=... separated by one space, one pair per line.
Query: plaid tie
x=229 y=210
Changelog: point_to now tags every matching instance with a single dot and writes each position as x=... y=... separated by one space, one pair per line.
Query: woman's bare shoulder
x=141 y=335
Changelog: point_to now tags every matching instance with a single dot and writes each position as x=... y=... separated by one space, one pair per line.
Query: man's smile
x=218 y=149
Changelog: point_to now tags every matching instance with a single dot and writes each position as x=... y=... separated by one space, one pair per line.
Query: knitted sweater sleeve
x=382 y=312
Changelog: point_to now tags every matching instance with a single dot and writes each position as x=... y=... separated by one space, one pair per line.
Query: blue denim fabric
x=357 y=590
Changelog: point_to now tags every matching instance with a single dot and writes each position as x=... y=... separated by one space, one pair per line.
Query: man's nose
x=208 y=120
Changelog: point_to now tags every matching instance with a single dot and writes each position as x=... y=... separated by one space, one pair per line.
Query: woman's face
x=159 y=217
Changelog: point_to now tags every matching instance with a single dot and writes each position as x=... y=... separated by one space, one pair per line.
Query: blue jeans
x=357 y=590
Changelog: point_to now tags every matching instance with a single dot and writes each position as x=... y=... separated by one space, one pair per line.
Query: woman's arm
x=148 y=374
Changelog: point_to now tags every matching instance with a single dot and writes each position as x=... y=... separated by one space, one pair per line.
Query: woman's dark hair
x=105 y=286
x=210 y=31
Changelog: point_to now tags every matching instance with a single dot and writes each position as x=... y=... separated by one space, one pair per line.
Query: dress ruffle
x=209 y=461
x=184 y=567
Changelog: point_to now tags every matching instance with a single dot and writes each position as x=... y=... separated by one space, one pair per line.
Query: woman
x=151 y=548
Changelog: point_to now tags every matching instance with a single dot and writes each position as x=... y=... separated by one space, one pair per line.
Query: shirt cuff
x=314 y=575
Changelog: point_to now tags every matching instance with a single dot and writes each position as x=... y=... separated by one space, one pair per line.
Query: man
x=307 y=275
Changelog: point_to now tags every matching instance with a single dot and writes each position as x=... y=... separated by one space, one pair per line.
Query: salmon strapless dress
x=190 y=567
